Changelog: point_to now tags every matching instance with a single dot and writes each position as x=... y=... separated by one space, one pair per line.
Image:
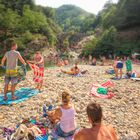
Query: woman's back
x=67 y=120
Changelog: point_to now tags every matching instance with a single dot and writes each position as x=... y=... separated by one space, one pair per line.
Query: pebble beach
x=122 y=111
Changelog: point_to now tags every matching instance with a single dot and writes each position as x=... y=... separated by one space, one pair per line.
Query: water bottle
x=50 y=107
x=44 y=111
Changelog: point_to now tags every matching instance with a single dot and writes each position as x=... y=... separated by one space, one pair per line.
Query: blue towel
x=21 y=94
x=42 y=137
x=54 y=136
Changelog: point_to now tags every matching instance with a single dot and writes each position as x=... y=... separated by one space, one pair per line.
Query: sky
x=92 y=6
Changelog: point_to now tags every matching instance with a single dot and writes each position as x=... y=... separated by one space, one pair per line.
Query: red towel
x=94 y=92
x=38 y=73
x=107 y=84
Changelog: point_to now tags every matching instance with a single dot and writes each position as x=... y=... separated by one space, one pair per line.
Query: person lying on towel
x=74 y=70
x=64 y=117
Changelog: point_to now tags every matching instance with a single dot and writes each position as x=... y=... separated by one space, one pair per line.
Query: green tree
x=90 y=48
x=107 y=44
x=127 y=15
x=17 y=5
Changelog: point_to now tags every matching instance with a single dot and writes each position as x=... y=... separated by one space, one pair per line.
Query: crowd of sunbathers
x=63 y=117
x=117 y=68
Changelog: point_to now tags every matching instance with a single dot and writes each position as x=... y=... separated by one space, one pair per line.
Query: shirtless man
x=98 y=131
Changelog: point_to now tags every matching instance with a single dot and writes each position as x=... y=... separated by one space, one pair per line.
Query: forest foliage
x=116 y=27
x=24 y=22
x=119 y=26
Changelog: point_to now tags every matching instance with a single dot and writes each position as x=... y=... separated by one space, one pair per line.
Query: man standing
x=98 y=131
x=11 y=57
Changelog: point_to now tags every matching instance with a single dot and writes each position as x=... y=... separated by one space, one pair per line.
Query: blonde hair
x=65 y=97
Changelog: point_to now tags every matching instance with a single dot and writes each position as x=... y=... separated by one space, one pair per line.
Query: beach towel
x=38 y=73
x=21 y=94
x=73 y=75
x=54 y=136
x=116 y=78
x=77 y=75
x=135 y=79
x=110 y=71
x=107 y=84
x=94 y=90
x=41 y=137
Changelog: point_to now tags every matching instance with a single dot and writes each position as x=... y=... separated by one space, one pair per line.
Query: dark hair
x=94 y=112
x=76 y=67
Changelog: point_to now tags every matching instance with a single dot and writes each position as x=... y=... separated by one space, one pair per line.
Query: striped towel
x=38 y=73
x=107 y=84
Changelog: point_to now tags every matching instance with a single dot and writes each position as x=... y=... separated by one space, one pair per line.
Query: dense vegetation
x=116 y=28
x=35 y=27
x=72 y=18
x=75 y=23
x=27 y=24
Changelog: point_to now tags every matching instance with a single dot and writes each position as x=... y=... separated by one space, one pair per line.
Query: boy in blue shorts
x=119 y=67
